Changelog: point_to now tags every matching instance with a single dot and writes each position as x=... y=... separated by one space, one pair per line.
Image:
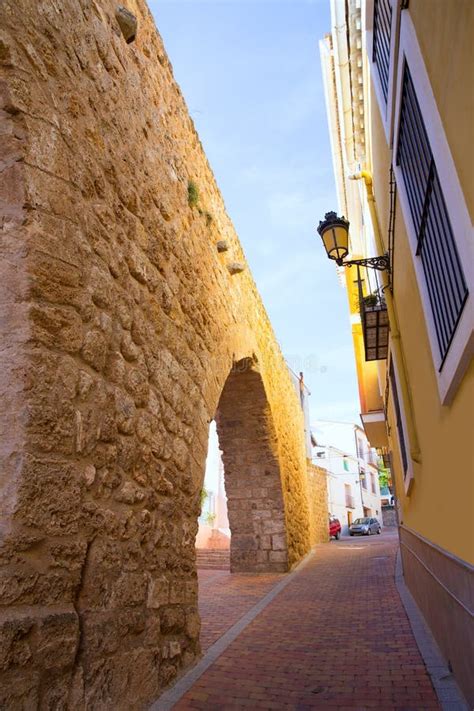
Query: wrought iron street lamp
x=334 y=232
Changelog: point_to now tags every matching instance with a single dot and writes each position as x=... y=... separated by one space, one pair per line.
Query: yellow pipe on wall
x=415 y=451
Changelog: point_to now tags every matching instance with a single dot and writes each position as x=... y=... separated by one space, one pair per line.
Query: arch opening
x=255 y=504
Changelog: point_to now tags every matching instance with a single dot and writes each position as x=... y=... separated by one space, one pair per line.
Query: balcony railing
x=373 y=458
x=375 y=326
x=350 y=502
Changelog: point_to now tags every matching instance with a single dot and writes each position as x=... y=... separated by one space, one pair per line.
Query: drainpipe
x=343 y=80
x=415 y=452
x=358 y=470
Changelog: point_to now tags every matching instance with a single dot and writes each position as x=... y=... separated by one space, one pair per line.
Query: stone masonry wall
x=120 y=325
x=318 y=503
x=252 y=474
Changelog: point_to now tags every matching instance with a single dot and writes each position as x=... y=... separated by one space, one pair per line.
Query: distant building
x=352 y=478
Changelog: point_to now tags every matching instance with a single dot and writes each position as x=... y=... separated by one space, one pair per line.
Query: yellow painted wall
x=367 y=372
x=440 y=503
x=445 y=31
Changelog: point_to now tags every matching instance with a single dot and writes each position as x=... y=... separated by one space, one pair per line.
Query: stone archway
x=123 y=315
x=249 y=444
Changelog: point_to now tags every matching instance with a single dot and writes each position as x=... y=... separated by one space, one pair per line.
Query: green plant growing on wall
x=204 y=494
x=383 y=478
x=210 y=518
x=370 y=300
x=193 y=194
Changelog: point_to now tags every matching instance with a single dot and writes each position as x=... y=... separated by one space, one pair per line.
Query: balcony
x=375 y=427
x=373 y=458
x=375 y=326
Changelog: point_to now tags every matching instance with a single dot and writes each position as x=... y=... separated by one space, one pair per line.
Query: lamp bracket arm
x=381 y=263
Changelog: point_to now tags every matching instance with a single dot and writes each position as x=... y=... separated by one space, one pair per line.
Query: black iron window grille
x=374 y=320
x=381 y=44
x=375 y=326
x=398 y=416
x=436 y=246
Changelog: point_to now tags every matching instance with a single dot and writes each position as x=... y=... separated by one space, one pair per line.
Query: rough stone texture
x=120 y=328
x=318 y=503
x=252 y=474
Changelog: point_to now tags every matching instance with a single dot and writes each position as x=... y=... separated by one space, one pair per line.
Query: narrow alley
x=335 y=637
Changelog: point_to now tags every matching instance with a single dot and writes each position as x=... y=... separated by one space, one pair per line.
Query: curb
x=449 y=695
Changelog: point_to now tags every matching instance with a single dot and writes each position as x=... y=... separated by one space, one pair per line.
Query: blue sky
x=251 y=77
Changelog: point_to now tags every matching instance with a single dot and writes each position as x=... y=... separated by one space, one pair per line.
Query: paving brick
x=336 y=637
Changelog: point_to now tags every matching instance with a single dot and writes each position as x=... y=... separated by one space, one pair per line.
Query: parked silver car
x=365 y=527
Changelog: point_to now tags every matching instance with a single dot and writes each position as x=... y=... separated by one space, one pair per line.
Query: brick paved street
x=224 y=598
x=337 y=637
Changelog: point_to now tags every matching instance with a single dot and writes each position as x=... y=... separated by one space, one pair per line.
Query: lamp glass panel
x=336 y=240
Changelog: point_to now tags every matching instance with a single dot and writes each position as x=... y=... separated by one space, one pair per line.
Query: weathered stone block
x=191 y=588
x=50 y=496
x=244 y=542
x=172 y=619
x=178 y=592
x=125 y=413
x=20 y=690
x=100 y=633
x=193 y=624
x=94 y=350
x=68 y=554
x=158 y=592
x=58 y=640
x=133 y=623
x=153 y=628
x=129 y=350
x=55 y=693
x=279 y=542
x=130 y=590
x=57 y=327
x=137 y=385
x=273 y=526
x=130 y=494
x=15 y=641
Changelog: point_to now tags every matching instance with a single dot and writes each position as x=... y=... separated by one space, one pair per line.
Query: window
x=398 y=417
x=436 y=246
x=349 y=498
x=381 y=42
x=372 y=481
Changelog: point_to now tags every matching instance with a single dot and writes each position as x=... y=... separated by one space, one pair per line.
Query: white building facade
x=352 y=478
